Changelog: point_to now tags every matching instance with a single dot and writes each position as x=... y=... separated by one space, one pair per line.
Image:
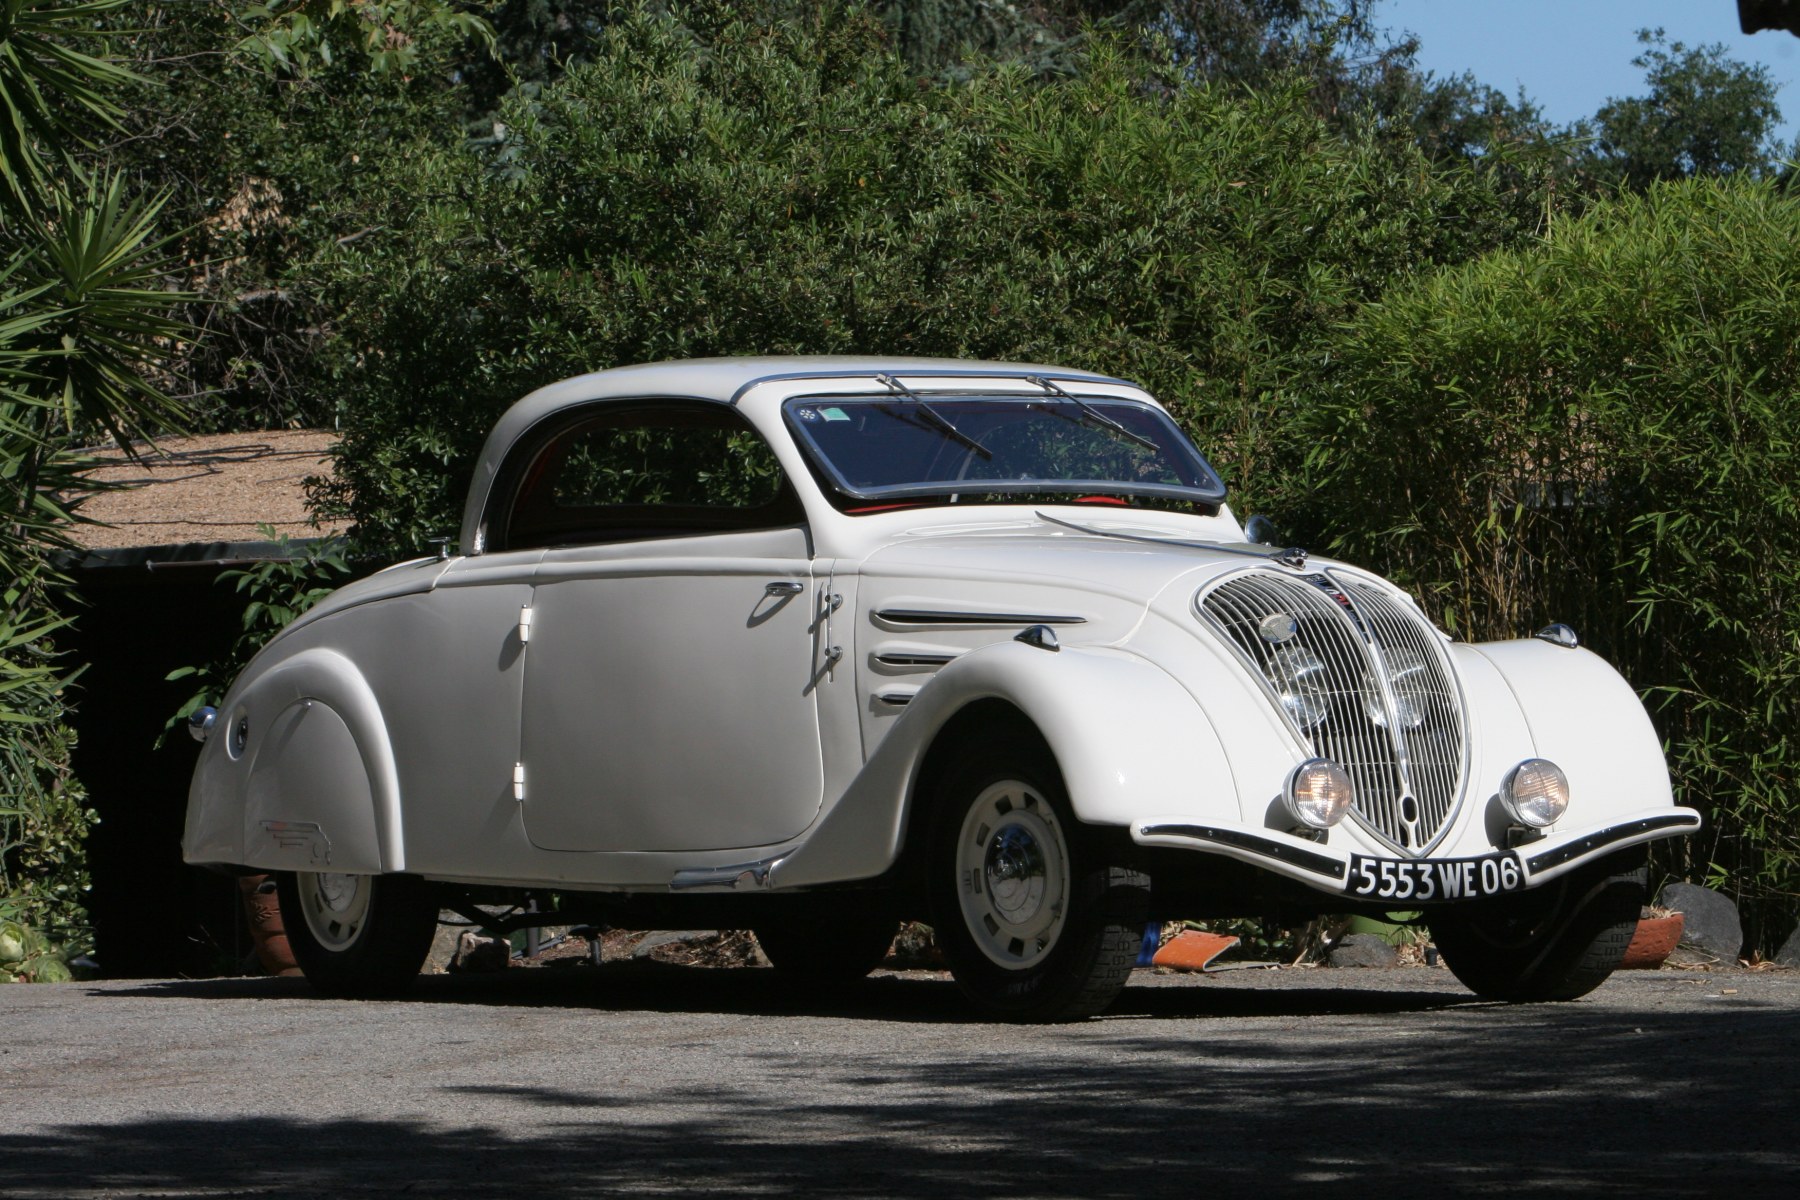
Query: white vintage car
x=809 y=645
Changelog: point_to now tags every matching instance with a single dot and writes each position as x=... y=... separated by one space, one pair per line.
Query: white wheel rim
x=336 y=907
x=1012 y=875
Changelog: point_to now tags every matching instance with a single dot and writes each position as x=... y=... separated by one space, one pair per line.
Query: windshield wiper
x=937 y=419
x=1094 y=416
x=1290 y=556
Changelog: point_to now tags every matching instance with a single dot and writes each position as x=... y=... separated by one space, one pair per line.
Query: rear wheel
x=827 y=946
x=358 y=935
x=1036 y=923
x=1557 y=942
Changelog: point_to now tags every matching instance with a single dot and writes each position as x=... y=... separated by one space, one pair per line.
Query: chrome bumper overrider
x=1327 y=869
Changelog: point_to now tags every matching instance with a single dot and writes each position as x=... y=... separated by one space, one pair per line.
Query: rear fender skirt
x=315 y=786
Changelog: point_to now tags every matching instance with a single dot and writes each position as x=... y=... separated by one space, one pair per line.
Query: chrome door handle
x=783 y=588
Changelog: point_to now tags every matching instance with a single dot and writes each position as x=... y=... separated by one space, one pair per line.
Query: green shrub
x=1599 y=428
x=772 y=187
x=274 y=591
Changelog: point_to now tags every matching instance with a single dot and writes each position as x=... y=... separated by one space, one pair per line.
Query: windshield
x=906 y=445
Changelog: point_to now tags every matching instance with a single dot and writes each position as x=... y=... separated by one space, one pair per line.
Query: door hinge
x=829 y=602
x=524 y=623
x=519 y=781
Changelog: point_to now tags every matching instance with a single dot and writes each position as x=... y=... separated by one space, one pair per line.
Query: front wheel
x=1558 y=942
x=358 y=935
x=1036 y=923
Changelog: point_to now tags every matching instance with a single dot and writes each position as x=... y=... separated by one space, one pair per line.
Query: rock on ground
x=1362 y=950
x=1710 y=920
x=1789 y=954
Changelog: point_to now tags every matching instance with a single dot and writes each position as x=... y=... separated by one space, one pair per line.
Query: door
x=669 y=691
x=670 y=702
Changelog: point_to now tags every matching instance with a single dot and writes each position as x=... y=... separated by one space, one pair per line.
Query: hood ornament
x=1277 y=628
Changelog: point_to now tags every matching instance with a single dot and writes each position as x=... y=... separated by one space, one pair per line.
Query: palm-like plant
x=51 y=92
x=83 y=323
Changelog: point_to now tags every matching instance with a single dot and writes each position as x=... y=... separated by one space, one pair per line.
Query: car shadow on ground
x=907 y=997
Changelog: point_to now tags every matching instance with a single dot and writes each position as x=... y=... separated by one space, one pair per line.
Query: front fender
x=1585 y=718
x=1127 y=737
x=314 y=785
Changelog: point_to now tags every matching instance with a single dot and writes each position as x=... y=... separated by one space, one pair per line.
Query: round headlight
x=1318 y=793
x=1411 y=683
x=1535 y=792
x=1298 y=676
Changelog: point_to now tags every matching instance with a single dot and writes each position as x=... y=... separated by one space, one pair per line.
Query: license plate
x=1434 y=879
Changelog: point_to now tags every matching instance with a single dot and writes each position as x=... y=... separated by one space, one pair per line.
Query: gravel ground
x=649 y=1078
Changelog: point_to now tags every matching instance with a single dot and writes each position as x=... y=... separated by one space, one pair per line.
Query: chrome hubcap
x=1012 y=867
x=336 y=907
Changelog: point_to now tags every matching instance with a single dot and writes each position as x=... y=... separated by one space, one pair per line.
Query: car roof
x=722 y=380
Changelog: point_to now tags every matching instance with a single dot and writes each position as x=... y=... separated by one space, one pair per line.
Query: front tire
x=1036 y=922
x=1556 y=943
x=358 y=935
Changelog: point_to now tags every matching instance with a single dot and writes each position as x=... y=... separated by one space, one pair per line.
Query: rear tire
x=1036 y=922
x=828 y=946
x=1559 y=942
x=358 y=935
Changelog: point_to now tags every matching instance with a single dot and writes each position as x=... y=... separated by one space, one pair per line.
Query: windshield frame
x=1211 y=492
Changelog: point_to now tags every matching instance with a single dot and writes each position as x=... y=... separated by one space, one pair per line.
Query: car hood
x=1115 y=560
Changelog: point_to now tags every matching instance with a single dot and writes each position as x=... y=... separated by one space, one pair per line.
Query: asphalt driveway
x=695 y=1081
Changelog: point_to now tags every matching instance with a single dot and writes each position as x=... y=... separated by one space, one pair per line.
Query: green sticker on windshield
x=834 y=414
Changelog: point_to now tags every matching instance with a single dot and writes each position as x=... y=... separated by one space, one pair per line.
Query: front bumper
x=1326 y=869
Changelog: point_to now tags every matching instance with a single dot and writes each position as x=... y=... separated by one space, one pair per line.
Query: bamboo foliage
x=1598 y=428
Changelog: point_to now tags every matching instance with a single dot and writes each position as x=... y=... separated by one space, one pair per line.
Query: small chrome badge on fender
x=301 y=835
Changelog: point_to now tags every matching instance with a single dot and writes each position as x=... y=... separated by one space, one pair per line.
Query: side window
x=626 y=471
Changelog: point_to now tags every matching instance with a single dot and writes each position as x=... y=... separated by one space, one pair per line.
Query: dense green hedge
x=779 y=188
x=1599 y=428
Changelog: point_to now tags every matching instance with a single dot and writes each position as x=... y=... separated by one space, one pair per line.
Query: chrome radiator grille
x=1363 y=682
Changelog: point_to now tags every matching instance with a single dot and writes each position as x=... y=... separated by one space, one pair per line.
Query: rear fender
x=314 y=786
x=1128 y=739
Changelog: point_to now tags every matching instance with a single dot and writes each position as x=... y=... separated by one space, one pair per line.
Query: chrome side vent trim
x=936 y=616
x=913 y=658
x=1362 y=680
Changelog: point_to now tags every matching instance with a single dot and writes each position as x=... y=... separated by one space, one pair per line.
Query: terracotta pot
x=263 y=909
x=1191 y=950
x=1655 y=939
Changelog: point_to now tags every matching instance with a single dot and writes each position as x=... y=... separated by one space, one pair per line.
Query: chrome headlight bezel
x=1318 y=793
x=1535 y=793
